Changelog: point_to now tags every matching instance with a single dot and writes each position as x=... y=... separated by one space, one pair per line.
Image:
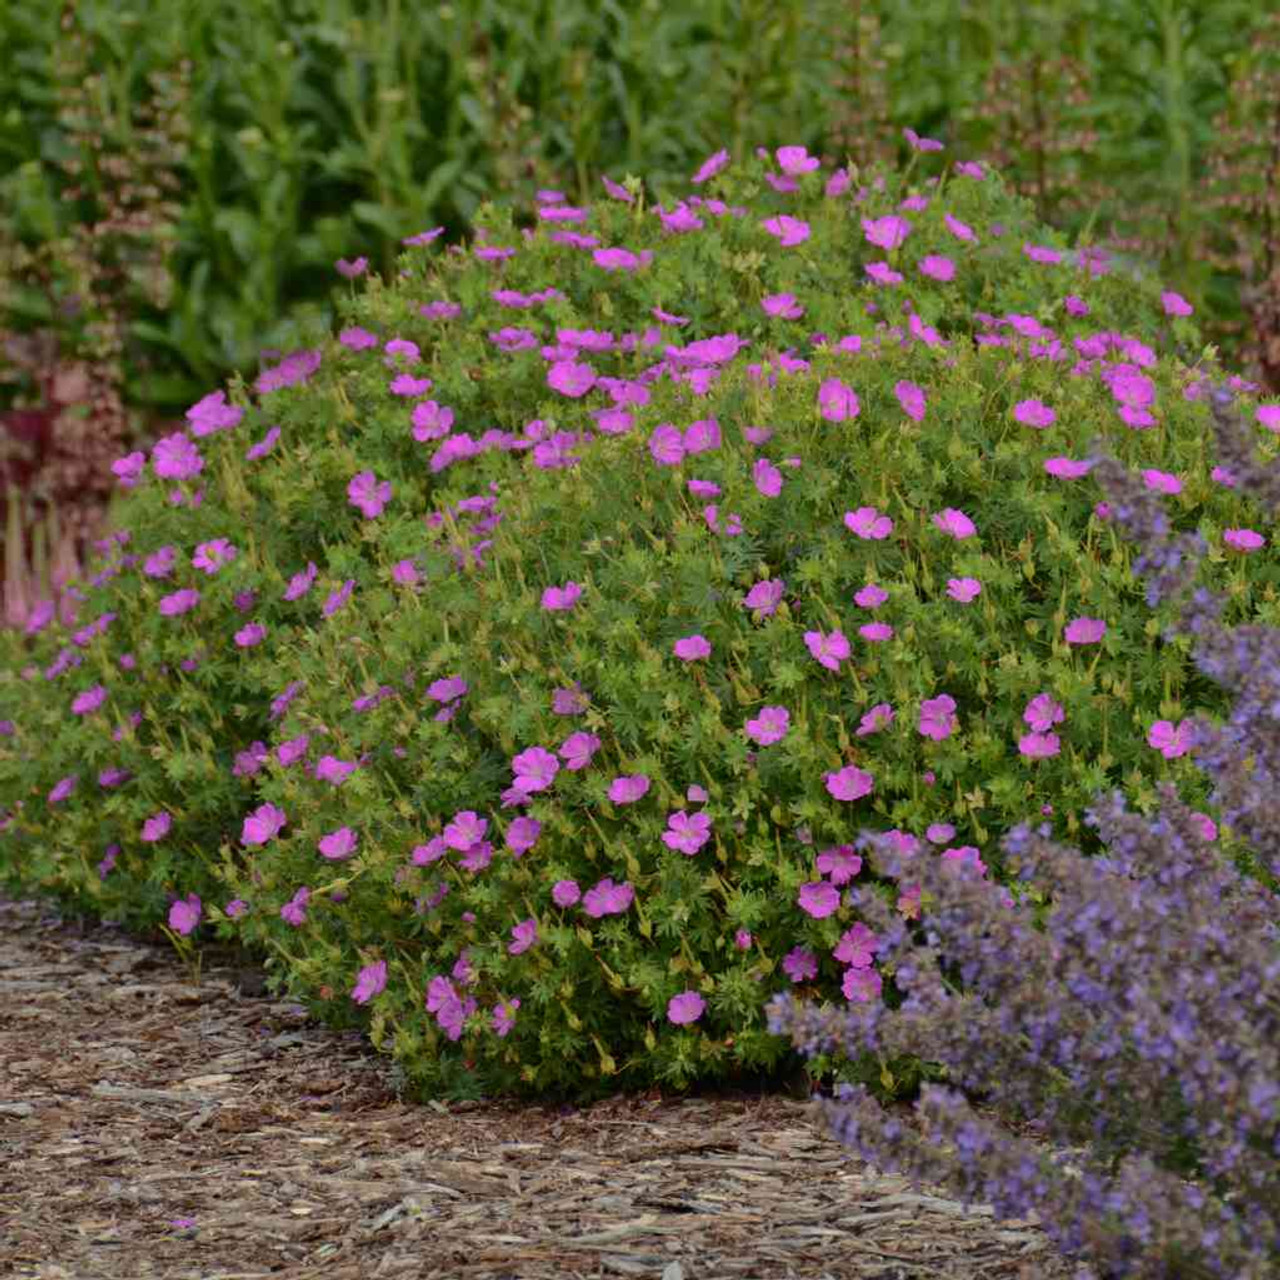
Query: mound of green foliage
x=518 y=668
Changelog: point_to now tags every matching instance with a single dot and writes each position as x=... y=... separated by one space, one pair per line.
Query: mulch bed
x=153 y=1128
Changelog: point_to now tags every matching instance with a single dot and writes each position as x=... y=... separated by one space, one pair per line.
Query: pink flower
x=522 y=835
x=1084 y=630
x=1039 y=746
x=911 y=398
x=504 y=1015
x=965 y=855
x=886 y=233
x=870 y=596
x=769 y=726
x=1067 y=468
x=263 y=823
x=1243 y=539
x=868 y=523
x=331 y=769
x=800 y=963
x=782 y=305
x=876 y=632
x=794 y=161
x=937 y=718
x=687 y=1007
x=370 y=981
x=836 y=401
x=939 y=832
x=1208 y=829
x=571 y=378
x=818 y=899
x=917 y=143
x=857 y=947
x=1033 y=413
x=211 y=556
x=156 y=827
x=365 y=493
x=294 y=911
x=535 y=769
x=687 y=833
x=849 y=783
x=1161 y=481
x=958 y=228
x=964 y=589
x=767 y=477
x=524 y=935
x=742 y=940
x=185 y=914
x=765 y=596
x=1175 y=304
x=954 y=522
x=1041 y=253
x=1042 y=712
x=790 y=231
x=1171 y=742
x=607 y=899
x=628 y=788
x=883 y=273
x=862 y=985
x=337 y=845
x=561 y=599
x=937 y=267
x=710 y=167
x=180 y=602
x=829 y=650
x=576 y=751
x=1268 y=416
x=466 y=829
x=564 y=893
x=841 y=864
x=877 y=718
x=89 y=701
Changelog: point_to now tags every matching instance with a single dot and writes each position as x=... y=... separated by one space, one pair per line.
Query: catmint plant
x=1123 y=1010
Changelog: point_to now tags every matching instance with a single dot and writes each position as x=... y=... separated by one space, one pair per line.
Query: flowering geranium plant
x=581 y=588
x=1125 y=1011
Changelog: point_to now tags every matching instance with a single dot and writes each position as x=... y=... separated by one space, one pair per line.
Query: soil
x=151 y=1126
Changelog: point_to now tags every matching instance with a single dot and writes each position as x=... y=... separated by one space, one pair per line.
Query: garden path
x=151 y=1127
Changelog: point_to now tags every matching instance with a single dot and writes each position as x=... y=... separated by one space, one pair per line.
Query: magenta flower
x=710 y=167
x=263 y=823
x=607 y=899
x=782 y=305
x=937 y=718
x=1084 y=630
x=176 y=458
x=800 y=964
x=857 y=947
x=1268 y=416
x=794 y=161
x=185 y=914
x=849 y=783
x=837 y=401
x=911 y=398
x=886 y=233
x=862 y=985
x=819 y=899
x=691 y=648
x=431 y=421
x=211 y=556
x=524 y=935
x=936 y=267
x=939 y=832
x=789 y=231
x=564 y=893
x=877 y=718
x=666 y=445
x=571 y=378
x=248 y=636
x=351 y=269
x=829 y=650
x=687 y=1007
x=1175 y=304
x=618 y=259
x=769 y=726
x=876 y=632
x=1042 y=712
x=1039 y=746
x=294 y=911
x=1161 y=481
x=370 y=981
x=535 y=769
x=466 y=828
x=883 y=273
x=954 y=522
x=337 y=845
x=179 y=602
x=504 y=1016
x=966 y=855
x=868 y=523
x=1171 y=742
x=628 y=788
x=1067 y=468
x=1033 y=413
x=963 y=589
x=765 y=596
x=958 y=229
x=425 y=854
x=156 y=827
x=560 y=599
x=1243 y=539
x=687 y=833
x=767 y=477
x=577 y=749
x=522 y=835
x=870 y=596
x=160 y=564
x=89 y=701
x=365 y=493
x=331 y=769
x=840 y=864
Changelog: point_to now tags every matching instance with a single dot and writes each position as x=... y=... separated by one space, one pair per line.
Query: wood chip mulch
x=150 y=1127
